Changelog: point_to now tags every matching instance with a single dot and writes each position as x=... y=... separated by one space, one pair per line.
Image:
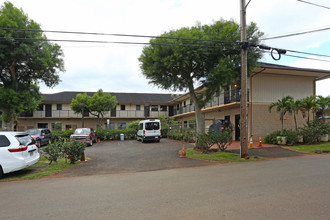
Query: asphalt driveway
x=132 y=156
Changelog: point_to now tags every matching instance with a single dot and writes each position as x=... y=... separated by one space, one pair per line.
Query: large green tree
x=101 y=103
x=198 y=60
x=96 y=105
x=26 y=59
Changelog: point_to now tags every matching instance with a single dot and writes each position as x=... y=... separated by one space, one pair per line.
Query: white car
x=18 y=150
x=149 y=130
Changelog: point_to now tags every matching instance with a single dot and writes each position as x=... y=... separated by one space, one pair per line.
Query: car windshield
x=25 y=139
x=33 y=132
x=82 y=131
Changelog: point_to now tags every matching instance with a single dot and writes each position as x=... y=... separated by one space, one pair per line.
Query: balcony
x=225 y=97
x=115 y=114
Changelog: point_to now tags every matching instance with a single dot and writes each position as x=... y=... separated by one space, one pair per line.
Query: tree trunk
x=295 y=121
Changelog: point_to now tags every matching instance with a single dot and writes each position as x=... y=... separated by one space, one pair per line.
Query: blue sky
x=115 y=68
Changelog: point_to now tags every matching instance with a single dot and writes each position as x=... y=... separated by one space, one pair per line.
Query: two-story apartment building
x=266 y=84
x=130 y=107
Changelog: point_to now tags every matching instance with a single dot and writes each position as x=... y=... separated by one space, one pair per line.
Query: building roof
x=318 y=74
x=121 y=97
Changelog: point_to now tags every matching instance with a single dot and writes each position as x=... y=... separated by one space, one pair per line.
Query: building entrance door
x=237 y=128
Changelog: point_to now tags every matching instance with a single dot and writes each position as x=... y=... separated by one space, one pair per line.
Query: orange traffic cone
x=82 y=157
x=99 y=140
x=260 y=142
x=183 y=152
x=251 y=143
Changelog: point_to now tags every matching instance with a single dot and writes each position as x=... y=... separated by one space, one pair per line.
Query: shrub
x=114 y=134
x=57 y=135
x=223 y=140
x=313 y=131
x=204 y=142
x=291 y=137
x=73 y=150
x=53 y=151
x=133 y=125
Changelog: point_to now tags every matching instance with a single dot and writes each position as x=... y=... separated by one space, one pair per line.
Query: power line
x=114 y=42
x=296 y=34
x=208 y=43
x=117 y=35
x=322 y=6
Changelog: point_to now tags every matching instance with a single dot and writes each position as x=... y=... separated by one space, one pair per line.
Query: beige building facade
x=266 y=84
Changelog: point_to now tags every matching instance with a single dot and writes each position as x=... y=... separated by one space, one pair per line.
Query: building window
x=122 y=107
x=40 y=107
x=163 y=108
x=177 y=106
x=57 y=126
x=59 y=107
x=138 y=107
x=184 y=103
x=42 y=125
x=154 y=108
x=121 y=125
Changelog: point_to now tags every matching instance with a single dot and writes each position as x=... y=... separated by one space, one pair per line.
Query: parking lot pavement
x=132 y=156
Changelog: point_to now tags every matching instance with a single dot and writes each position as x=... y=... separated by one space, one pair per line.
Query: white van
x=149 y=130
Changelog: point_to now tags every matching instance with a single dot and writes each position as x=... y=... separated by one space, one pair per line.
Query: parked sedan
x=85 y=135
x=18 y=150
x=41 y=135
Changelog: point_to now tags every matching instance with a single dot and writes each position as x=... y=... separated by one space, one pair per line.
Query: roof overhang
x=317 y=74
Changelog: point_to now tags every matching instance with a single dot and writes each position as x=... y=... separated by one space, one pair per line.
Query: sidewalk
x=237 y=145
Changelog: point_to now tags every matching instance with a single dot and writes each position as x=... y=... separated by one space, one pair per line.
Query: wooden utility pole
x=244 y=112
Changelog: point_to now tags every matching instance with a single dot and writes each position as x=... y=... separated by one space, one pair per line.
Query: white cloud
x=115 y=67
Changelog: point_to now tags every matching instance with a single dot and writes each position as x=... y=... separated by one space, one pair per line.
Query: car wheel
x=1 y=172
x=142 y=140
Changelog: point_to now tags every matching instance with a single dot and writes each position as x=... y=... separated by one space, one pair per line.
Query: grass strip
x=310 y=148
x=218 y=156
x=38 y=170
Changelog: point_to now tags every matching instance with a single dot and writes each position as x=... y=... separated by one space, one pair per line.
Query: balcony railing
x=118 y=114
x=225 y=97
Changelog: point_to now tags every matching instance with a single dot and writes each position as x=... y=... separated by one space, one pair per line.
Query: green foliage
x=180 y=67
x=308 y=104
x=133 y=125
x=292 y=137
x=222 y=140
x=73 y=150
x=24 y=63
x=114 y=134
x=283 y=106
x=323 y=105
x=53 y=151
x=96 y=105
x=81 y=103
x=58 y=126
x=314 y=130
x=205 y=141
x=58 y=135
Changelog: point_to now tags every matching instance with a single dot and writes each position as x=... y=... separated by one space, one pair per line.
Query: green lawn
x=39 y=170
x=310 y=148
x=218 y=156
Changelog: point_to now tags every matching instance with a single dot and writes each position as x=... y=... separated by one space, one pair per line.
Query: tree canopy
x=26 y=59
x=96 y=105
x=206 y=57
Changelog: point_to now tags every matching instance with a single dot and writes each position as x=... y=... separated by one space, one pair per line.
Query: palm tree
x=308 y=104
x=323 y=105
x=295 y=106
x=283 y=106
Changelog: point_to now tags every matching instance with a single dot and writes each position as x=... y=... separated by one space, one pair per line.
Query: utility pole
x=244 y=110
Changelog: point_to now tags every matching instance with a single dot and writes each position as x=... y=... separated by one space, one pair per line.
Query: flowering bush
x=73 y=150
